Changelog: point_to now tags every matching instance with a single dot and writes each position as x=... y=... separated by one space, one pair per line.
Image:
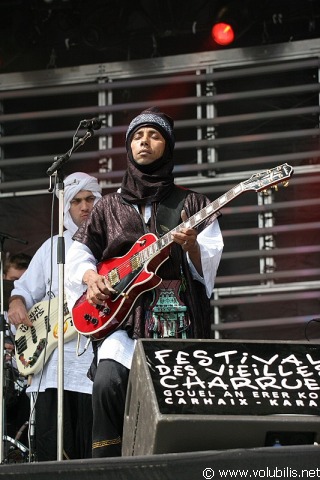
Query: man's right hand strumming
x=98 y=287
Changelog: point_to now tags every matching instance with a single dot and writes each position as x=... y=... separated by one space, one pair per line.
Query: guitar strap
x=169 y=210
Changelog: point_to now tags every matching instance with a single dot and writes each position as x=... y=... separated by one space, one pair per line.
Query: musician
x=148 y=201
x=15 y=265
x=40 y=283
x=17 y=405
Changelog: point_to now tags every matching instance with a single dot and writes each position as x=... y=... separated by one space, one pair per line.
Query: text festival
x=232 y=377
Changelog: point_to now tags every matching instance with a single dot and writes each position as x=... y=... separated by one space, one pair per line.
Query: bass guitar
x=34 y=345
x=135 y=272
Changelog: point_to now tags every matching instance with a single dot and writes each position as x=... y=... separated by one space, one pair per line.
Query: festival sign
x=234 y=378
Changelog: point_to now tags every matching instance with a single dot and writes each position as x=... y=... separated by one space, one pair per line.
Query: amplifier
x=192 y=395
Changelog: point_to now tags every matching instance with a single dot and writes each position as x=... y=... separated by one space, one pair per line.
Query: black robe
x=115 y=225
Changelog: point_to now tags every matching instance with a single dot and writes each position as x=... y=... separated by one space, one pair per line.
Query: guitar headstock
x=269 y=178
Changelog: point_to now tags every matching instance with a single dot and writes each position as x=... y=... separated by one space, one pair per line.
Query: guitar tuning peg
x=285 y=184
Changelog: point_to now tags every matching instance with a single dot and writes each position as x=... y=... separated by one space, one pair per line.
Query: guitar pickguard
x=34 y=345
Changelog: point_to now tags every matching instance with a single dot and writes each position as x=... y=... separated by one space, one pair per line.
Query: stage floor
x=268 y=462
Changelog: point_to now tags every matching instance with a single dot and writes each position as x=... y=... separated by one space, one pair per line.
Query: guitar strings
x=41 y=329
x=203 y=213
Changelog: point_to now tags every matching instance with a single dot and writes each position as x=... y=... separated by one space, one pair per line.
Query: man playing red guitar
x=134 y=272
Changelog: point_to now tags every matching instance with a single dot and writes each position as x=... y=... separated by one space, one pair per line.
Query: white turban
x=73 y=184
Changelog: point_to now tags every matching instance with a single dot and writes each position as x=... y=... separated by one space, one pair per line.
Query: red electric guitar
x=135 y=272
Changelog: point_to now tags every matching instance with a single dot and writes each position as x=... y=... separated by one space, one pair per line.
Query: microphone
x=91 y=123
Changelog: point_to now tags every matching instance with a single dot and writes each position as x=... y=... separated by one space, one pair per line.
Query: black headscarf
x=149 y=183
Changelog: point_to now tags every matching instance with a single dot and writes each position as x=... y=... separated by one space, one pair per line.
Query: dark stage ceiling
x=40 y=34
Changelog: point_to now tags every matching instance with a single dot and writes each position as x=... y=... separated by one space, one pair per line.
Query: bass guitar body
x=34 y=345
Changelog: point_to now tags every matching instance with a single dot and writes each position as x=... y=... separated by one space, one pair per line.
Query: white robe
x=34 y=286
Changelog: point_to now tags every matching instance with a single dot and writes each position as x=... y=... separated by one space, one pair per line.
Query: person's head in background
x=15 y=265
x=81 y=193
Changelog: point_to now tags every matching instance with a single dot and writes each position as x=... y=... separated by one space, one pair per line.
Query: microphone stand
x=3 y=236
x=57 y=170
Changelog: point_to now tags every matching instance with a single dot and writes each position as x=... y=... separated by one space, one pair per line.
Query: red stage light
x=222 y=33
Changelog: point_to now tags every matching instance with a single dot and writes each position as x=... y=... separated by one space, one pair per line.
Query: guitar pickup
x=33 y=334
x=21 y=345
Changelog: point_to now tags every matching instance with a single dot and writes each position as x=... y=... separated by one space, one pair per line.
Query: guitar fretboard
x=257 y=182
x=192 y=222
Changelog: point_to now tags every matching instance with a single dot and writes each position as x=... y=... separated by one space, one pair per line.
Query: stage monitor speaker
x=195 y=395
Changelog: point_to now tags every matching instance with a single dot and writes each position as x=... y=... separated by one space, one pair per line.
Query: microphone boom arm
x=56 y=168
x=59 y=161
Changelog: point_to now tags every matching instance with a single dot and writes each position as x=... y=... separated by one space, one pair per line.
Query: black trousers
x=17 y=415
x=77 y=425
x=108 y=399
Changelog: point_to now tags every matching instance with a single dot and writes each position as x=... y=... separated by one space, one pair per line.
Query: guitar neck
x=257 y=182
x=193 y=221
